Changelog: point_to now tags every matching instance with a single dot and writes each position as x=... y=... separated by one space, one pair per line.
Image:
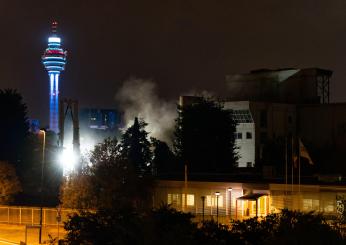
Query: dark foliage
x=287 y=227
x=211 y=233
x=13 y=125
x=135 y=147
x=9 y=183
x=169 y=226
x=164 y=160
x=204 y=137
x=30 y=170
x=172 y=227
x=122 y=227
x=110 y=182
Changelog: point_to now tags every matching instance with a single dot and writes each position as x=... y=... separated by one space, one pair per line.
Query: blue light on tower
x=54 y=60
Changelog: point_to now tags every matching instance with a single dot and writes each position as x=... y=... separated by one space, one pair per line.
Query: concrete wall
x=323 y=125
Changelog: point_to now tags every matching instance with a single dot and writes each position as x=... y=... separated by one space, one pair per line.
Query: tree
x=13 y=125
x=204 y=137
x=210 y=232
x=164 y=160
x=109 y=182
x=135 y=147
x=9 y=183
x=118 y=227
x=287 y=227
x=172 y=227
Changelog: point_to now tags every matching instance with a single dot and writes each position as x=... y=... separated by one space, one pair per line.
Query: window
x=238 y=136
x=248 y=135
x=212 y=202
x=263 y=119
x=173 y=199
x=242 y=116
x=329 y=206
x=190 y=200
x=311 y=204
x=249 y=164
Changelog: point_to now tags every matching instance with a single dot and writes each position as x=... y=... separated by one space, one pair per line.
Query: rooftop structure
x=294 y=86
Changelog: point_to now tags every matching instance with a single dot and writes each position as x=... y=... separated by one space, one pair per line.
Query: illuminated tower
x=54 y=60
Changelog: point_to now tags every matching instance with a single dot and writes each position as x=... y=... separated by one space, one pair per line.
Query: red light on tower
x=54 y=26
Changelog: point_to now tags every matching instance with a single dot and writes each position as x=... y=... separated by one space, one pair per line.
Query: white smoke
x=137 y=98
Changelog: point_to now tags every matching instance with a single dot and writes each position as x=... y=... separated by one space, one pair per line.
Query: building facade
x=234 y=201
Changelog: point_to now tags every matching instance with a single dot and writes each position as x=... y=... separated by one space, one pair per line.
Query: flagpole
x=299 y=165
x=286 y=167
x=292 y=162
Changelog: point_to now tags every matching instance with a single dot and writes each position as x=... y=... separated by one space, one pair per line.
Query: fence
x=31 y=215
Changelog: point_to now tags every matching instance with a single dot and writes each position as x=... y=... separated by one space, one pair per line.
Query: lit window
x=190 y=201
x=211 y=201
x=329 y=206
x=311 y=204
x=307 y=204
x=173 y=199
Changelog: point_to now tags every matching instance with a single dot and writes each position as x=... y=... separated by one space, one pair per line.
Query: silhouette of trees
x=164 y=160
x=287 y=227
x=204 y=137
x=13 y=125
x=166 y=225
x=117 y=175
x=135 y=147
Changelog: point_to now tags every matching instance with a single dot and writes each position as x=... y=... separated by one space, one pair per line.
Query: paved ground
x=14 y=234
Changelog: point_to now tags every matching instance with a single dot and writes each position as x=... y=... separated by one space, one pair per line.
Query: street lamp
x=230 y=199
x=41 y=188
x=217 y=194
x=203 y=201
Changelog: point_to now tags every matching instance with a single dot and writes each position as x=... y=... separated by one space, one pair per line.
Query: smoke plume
x=138 y=98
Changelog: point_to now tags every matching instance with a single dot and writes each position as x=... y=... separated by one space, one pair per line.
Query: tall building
x=54 y=60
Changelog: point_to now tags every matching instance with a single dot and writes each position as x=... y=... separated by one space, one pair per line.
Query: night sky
x=183 y=45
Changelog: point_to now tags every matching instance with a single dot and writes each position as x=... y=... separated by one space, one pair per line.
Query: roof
x=242 y=116
x=252 y=196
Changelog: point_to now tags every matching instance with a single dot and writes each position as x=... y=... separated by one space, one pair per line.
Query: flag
x=304 y=152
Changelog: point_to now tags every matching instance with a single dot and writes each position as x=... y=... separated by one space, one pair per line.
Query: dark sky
x=183 y=45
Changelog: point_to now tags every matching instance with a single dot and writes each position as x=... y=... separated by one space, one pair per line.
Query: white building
x=245 y=132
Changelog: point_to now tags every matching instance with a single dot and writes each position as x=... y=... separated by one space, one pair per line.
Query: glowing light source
x=68 y=159
x=54 y=40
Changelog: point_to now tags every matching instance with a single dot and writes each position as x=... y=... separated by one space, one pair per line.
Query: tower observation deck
x=54 y=60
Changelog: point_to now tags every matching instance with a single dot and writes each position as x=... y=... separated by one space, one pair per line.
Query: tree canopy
x=9 y=183
x=135 y=147
x=114 y=178
x=166 y=225
x=13 y=125
x=164 y=161
x=204 y=137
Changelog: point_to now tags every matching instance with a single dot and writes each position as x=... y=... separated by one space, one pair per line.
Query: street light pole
x=230 y=200
x=41 y=188
x=217 y=194
x=203 y=201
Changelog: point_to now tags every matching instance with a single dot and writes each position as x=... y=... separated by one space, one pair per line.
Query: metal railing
x=31 y=215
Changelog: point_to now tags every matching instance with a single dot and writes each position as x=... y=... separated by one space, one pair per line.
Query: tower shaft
x=54 y=101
